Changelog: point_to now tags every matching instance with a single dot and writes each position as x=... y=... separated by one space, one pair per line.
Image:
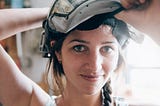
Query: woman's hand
x=135 y=4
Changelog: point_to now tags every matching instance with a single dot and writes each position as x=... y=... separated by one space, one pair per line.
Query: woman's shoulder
x=51 y=101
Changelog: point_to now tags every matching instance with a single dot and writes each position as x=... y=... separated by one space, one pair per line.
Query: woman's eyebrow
x=87 y=42
x=109 y=42
x=79 y=40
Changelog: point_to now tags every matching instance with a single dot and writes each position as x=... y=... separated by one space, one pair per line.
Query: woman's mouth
x=91 y=78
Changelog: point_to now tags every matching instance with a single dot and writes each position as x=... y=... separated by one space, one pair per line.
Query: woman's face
x=88 y=58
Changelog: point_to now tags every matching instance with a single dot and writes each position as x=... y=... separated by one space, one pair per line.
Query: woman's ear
x=58 y=55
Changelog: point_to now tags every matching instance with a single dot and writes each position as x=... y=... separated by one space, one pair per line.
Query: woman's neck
x=73 y=98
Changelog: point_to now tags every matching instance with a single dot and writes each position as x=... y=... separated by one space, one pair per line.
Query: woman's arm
x=18 y=20
x=146 y=19
x=15 y=88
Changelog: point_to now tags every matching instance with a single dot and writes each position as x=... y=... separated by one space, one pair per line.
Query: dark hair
x=90 y=24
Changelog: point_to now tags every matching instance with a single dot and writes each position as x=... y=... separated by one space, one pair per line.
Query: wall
x=33 y=65
x=41 y=3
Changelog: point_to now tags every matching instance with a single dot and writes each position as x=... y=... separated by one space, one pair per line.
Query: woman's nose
x=95 y=60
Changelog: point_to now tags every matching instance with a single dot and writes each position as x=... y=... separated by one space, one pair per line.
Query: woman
x=85 y=52
x=86 y=58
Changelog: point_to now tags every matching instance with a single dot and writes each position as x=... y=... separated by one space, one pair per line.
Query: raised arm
x=18 y=20
x=16 y=89
x=146 y=19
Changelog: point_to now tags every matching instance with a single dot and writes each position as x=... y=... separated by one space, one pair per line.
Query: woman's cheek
x=111 y=64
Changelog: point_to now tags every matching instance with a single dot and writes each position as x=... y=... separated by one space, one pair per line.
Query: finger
x=142 y=1
x=125 y=3
x=130 y=3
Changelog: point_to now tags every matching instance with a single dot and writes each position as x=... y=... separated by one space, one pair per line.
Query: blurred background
x=139 y=83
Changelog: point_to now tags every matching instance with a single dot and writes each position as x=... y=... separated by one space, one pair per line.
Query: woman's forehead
x=102 y=33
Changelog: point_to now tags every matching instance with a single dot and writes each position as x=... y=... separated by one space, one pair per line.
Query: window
x=143 y=74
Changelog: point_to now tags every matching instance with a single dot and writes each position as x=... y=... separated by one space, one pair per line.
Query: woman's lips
x=91 y=78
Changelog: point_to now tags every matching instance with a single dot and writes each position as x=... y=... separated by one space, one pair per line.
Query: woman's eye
x=106 y=49
x=79 y=48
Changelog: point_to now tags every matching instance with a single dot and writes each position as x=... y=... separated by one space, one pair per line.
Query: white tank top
x=51 y=101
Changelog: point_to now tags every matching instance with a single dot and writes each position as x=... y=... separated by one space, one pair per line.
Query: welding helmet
x=65 y=15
